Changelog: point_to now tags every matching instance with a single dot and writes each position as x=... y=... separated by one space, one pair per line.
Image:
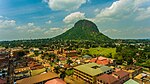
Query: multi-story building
x=90 y=71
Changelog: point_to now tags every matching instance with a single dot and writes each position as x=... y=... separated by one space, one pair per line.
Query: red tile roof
x=74 y=57
x=62 y=58
x=101 y=60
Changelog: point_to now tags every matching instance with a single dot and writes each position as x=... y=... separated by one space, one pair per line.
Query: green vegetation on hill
x=83 y=30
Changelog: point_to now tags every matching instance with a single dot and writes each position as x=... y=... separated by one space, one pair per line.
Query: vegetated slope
x=83 y=30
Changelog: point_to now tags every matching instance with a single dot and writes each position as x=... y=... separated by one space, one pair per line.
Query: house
x=133 y=70
x=38 y=79
x=55 y=81
x=114 y=78
x=107 y=79
x=89 y=72
x=103 y=61
x=70 y=53
x=121 y=75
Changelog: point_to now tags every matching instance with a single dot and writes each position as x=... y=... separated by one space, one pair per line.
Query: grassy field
x=102 y=51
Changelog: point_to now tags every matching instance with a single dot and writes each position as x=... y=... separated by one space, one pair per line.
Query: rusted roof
x=107 y=78
x=121 y=73
x=37 y=78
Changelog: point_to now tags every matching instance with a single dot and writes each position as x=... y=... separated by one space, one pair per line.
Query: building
x=143 y=78
x=107 y=79
x=3 y=81
x=103 y=61
x=115 y=78
x=90 y=71
x=70 y=53
x=121 y=75
x=133 y=70
x=38 y=79
x=131 y=81
x=55 y=81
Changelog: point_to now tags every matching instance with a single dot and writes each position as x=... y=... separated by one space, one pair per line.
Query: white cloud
x=53 y=31
x=1 y=16
x=123 y=9
x=48 y=22
x=65 y=4
x=97 y=10
x=124 y=15
x=6 y=23
x=73 y=17
x=111 y=31
x=30 y=24
x=143 y=14
x=30 y=27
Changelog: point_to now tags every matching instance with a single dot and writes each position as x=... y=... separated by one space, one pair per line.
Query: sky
x=34 y=19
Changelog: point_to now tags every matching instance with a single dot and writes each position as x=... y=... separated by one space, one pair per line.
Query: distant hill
x=83 y=30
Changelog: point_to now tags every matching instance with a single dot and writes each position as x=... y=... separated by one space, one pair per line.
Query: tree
x=69 y=61
x=110 y=55
x=129 y=60
x=56 y=69
x=63 y=75
x=119 y=58
x=69 y=72
x=118 y=49
x=147 y=64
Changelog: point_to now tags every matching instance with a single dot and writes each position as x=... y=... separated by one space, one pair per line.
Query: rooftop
x=101 y=60
x=37 y=78
x=92 y=69
x=2 y=81
x=55 y=81
x=121 y=73
x=108 y=78
x=131 y=81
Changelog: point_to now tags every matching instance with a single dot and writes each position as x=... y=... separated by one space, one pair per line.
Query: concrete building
x=90 y=71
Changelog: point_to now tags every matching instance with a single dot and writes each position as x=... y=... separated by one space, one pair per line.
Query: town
x=74 y=41
x=64 y=65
